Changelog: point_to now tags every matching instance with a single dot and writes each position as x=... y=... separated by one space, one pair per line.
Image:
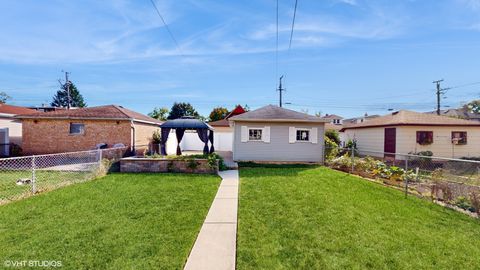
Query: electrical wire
x=293 y=25
x=168 y=28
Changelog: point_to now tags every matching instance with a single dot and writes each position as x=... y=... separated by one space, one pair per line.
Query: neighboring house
x=412 y=132
x=460 y=113
x=334 y=119
x=223 y=134
x=10 y=127
x=360 y=119
x=275 y=134
x=45 y=108
x=85 y=129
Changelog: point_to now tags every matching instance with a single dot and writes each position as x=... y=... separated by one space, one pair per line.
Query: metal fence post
x=406 y=176
x=100 y=155
x=34 y=187
x=353 y=159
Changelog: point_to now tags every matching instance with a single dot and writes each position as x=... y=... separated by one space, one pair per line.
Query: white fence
x=24 y=176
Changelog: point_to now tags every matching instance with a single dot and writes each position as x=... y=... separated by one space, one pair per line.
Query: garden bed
x=166 y=164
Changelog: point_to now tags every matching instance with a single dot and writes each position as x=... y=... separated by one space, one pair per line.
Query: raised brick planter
x=140 y=164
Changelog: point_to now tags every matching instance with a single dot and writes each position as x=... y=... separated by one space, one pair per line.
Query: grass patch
x=318 y=218
x=121 y=221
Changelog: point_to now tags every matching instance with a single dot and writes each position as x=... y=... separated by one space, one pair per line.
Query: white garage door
x=223 y=141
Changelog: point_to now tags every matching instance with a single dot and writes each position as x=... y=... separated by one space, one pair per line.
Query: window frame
x=301 y=130
x=79 y=133
x=428 y=140
x=258 y=130
x=463 y=139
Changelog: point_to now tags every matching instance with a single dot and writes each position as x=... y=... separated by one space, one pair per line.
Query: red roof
x=224 y=122
x=238 y=110
x=110 y=112
x=10 y=109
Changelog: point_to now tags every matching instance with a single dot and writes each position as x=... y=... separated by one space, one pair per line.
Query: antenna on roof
x=280 y=90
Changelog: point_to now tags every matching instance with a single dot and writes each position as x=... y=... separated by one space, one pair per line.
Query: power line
x=293 y=24
x=168 y=28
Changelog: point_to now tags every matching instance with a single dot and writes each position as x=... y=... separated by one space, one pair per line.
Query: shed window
x=424 y=137
x=77 y=128
x=459 y=137
x=255 y=134
x=303 y=135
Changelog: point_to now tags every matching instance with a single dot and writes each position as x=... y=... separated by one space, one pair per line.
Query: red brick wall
x=53 y=136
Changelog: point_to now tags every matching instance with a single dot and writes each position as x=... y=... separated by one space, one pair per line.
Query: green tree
x=333 y=135
x=159 y=113
x=180 y=109
x=4 y=97
x=218 y=113
x=60 y=99
x=473 y=106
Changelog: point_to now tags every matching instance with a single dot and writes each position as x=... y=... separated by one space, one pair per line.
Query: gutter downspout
x=132 y=147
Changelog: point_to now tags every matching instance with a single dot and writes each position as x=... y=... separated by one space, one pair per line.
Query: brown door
x=390 y=140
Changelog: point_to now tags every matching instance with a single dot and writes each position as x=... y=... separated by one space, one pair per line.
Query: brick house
x=85 y=128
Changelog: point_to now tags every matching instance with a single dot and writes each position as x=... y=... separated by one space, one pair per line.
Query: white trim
x=266 y=134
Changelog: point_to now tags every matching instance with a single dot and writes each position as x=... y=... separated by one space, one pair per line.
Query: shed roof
x=272 y=113
x=107 y=112
x=186 y=123
x=406 y=118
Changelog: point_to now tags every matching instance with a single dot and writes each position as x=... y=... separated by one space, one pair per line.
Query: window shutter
x=244 y=133
x=291 y=135
x=314 y=135
x=266 y=134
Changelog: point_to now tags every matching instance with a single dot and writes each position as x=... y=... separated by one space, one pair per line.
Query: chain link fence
x=22 y=177
x=452 y=182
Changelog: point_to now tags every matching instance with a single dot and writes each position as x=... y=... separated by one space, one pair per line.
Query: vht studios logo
x=32 y=263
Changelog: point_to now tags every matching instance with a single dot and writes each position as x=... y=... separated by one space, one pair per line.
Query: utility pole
x=440 y=92
x=67 y=86
x=280 y=90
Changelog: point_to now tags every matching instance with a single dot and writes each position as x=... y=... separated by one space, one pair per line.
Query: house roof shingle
x=274 y=113
x=332 y=116
x=405 y=118
x=14 y=110
x=107 y=112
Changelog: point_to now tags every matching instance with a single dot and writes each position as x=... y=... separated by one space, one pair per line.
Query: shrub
x=333 y=135
x=15 y=150
x=463 y=203
x=156 y=137
x=331 y=149
x=475 y=200
x=192 y=164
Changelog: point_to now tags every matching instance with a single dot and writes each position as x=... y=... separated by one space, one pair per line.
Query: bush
x=331 y=149
x=333 y=135
x=463 y=203
x=15 y=150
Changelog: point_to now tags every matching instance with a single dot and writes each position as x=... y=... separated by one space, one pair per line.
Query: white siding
x=279 y=148
x=14 y=129
x=442 y=141
x=368 y=139
x=372 y=139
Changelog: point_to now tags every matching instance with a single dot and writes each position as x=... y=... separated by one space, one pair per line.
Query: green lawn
x=121 y=221
x=317 y=218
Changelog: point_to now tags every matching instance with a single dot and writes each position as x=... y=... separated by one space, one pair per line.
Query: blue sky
x=348 y=57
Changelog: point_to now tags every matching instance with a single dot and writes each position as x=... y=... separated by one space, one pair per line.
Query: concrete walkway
x=215 y=247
